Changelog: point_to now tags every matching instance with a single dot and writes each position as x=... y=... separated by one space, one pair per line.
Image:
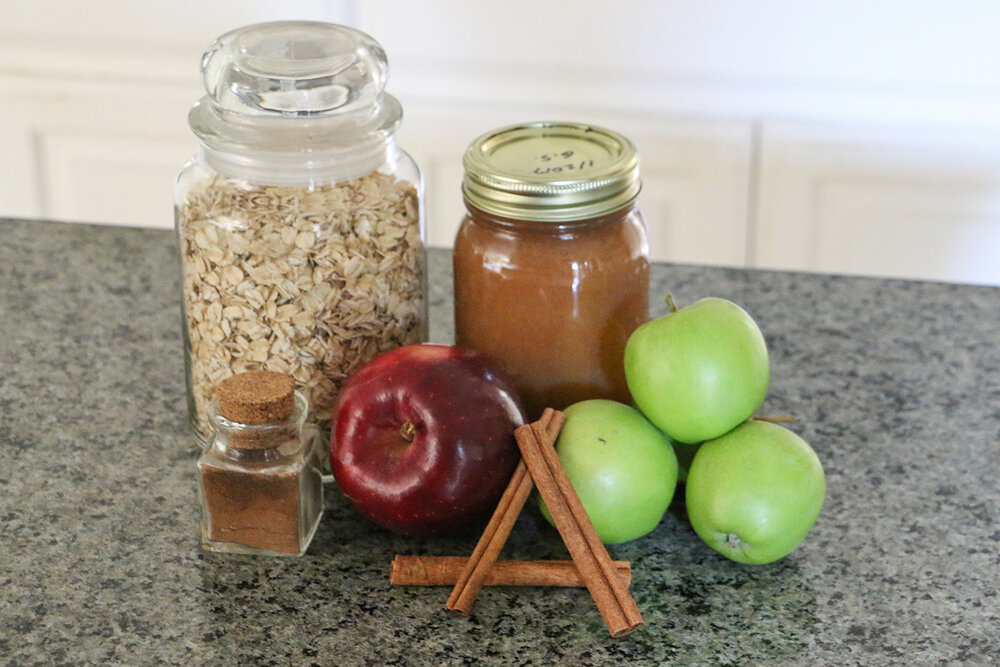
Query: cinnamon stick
x=445 y=571
x=617 y=607
x=473 y=575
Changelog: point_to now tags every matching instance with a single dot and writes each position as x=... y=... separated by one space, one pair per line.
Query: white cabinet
x=892 y=201
x=764 y=142
x=109 y=152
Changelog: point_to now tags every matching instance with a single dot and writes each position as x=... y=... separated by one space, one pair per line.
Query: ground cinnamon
x=251 y=509
x=260 y=489
x=445 y=571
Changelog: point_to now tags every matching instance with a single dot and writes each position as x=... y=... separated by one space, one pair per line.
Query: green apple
x=699 y=371
x=621 y=466
x=754 y=493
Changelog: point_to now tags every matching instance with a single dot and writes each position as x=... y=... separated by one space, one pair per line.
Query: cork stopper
x=257 y=397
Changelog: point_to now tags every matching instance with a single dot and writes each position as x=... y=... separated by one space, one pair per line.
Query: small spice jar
x=551 y=260
x=300 y=221
x=260 y=487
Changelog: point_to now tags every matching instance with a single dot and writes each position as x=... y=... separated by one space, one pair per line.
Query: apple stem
x=407 y=430
x=776 y=419
x=671 y=306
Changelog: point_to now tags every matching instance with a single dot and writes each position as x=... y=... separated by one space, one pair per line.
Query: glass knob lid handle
x=294 y=68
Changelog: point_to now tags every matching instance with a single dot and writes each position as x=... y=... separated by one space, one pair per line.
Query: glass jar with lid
x=551 y=261
x=300 y=221
x=260 y=488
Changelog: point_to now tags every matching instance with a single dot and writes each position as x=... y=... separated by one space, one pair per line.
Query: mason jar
x=551 y=260
x=300 y=221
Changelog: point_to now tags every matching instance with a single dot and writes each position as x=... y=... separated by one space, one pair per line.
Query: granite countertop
x=896 y=385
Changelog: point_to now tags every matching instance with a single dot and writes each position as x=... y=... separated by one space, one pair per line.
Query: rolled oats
x=306 y=281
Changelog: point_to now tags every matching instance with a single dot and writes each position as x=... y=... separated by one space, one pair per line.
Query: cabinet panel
x=910 y=203
x=111 y=179
x=20 y=195
x=106 y=153
x=696 y=189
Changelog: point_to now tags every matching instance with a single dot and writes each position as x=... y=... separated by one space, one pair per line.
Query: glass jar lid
x=551 y=171
x=295 y=101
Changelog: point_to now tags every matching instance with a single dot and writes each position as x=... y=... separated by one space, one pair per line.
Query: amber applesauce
x=551 y=261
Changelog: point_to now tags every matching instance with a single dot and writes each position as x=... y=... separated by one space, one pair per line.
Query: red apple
x=424 y=438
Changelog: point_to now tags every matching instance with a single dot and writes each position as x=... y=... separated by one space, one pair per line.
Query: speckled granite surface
x=897 y=385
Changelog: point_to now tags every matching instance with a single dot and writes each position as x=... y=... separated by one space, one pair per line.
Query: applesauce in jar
x=551 y=260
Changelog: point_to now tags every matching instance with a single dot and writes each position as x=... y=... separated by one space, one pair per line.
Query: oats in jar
x=308 y=281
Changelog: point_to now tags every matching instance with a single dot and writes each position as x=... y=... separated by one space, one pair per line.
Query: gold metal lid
x=551 y=171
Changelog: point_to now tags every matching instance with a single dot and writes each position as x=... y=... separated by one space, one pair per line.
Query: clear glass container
x=260 y=488
x=300 y=222
x=551 y=261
